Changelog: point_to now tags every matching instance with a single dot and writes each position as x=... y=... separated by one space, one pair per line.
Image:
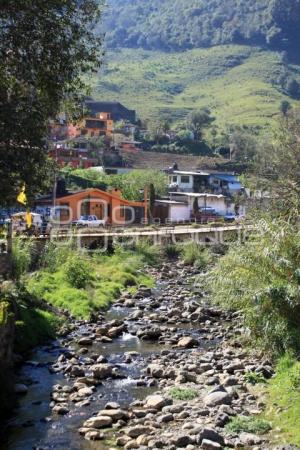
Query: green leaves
x=45 y=47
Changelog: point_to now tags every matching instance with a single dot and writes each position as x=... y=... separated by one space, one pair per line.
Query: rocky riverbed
x=113 y=382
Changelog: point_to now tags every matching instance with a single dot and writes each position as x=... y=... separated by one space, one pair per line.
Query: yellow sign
x=28 y=218
x=22 y=198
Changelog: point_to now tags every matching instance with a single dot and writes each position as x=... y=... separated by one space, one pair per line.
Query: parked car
x=90 y=221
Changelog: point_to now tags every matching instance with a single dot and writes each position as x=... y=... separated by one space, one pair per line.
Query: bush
x=248 y=425
x=171 y=251
x=21 y=256
x=254 y=378
x=261 y=278
x=183 y=393
x=197 y=255
x=78 y=272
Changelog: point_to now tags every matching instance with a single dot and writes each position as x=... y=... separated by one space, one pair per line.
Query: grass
x=283 y=404
x=248 y=425
x=183 y=393
x=238 y=83
x=107 y=277
x=196 y=255
x=34 y=327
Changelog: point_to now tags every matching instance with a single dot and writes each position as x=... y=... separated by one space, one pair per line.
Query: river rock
x=114 y=414
x=156 y=402
x=61 y=409
x=211 y=435
x=181 y=441
x=85 y=341
x=210 y=445
x=85 y=392
x=218 y=398
x=94 y=435
x=250 y=439
x=102 y=371
x=20 y=389
x=98 y=422
x=138 y=430
x=187 y=342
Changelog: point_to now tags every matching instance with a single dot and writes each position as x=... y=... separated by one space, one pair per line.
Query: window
x=185 y=179
x=174 y=179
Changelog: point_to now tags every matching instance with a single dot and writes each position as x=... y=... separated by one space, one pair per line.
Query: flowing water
x=35 y=427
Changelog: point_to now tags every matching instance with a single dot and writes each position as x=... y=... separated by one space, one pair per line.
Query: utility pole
x=146 y=204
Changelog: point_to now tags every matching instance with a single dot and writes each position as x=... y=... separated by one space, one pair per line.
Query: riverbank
x=162 y=369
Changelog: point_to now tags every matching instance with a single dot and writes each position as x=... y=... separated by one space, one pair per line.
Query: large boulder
x=102 y=371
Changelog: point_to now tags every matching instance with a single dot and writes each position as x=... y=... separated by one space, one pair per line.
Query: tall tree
x=45 y=48
x=198 y=120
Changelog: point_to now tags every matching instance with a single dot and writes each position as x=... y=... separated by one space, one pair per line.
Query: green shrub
x=197 y=255
x=22 y=250
x=171 y=251
x=183 y=393
x=248 y=425
x=254 y=378
x=34 y=327
x=260 y=278
x=78 y=272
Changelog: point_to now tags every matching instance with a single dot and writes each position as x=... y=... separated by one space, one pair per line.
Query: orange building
x=100 y=125
x=108 y=206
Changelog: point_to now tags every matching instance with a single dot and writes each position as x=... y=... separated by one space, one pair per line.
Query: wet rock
x=94 y=435
x=85 y=392
x=112 y=405
x=138 y=430
x=76 y=371
x=102 y=371
x=20 y=389
x=85 y=341
x=98 y=422
x=61 y=409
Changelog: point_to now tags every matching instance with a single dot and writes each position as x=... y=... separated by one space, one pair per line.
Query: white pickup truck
x=90 y=221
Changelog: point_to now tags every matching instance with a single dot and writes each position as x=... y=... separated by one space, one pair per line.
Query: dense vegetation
x=45 y=47
x=241 y=85
x=180 y=25
x=130 y=184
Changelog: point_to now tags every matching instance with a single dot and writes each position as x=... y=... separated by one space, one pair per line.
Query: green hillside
x=240 y=84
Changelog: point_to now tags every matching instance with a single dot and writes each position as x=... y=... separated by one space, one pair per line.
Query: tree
x=279 y=167
x=293 y=87
x=45 y=48
x=243 y=145
x=285 y=106
x=198 y=120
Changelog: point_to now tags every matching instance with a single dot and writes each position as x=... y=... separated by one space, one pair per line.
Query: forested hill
x=184 y=24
